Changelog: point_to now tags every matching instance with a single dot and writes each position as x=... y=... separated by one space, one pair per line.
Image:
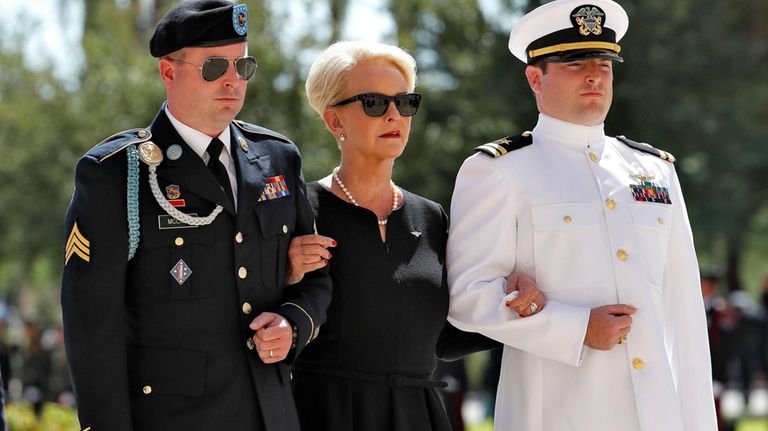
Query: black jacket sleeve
x=454 y=343
x=93 y=293
x=306 y=302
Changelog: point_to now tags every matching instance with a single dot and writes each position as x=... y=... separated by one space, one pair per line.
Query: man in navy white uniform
x=601 y=224
x=177 y=313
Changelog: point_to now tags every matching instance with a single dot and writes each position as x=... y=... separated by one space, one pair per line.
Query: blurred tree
x=35 y=123
x=696 y=83
x=474 y=90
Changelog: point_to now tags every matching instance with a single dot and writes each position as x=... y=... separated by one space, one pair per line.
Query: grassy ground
x=488 y=426
x=760 y=424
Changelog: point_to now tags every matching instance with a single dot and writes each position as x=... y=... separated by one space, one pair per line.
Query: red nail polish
x=333 y=244
x=330 y=255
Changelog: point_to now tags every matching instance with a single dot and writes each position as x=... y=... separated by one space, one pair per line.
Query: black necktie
x=217 y=168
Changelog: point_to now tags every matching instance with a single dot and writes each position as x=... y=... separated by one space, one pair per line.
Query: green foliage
x=754 y=424
x=53 y=417
x=474 y=90
x=695 y=82
x=34 y=123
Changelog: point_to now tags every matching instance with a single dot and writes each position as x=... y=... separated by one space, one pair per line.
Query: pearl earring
x=342 y=138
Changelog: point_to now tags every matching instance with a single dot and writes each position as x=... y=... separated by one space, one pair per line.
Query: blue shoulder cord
x=133 y=200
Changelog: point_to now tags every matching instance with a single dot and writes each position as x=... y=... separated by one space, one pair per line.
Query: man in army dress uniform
x=601 y=224
x=176 y=311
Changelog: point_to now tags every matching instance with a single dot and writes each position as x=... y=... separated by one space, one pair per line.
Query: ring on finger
x=534 y=308
x=271 y=353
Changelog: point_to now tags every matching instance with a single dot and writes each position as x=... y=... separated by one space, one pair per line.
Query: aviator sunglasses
x=375 y=104
x=214 y=68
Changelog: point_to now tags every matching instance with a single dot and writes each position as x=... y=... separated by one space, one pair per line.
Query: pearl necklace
x=352 y=198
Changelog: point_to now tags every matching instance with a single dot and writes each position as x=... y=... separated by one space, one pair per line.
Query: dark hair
x=541 y=64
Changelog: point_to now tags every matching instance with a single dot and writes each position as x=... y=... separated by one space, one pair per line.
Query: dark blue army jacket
x=161 y=341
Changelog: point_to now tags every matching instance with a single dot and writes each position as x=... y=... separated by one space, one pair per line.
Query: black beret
x=199 y=23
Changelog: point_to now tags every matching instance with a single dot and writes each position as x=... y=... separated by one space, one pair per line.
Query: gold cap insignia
x=589 y=20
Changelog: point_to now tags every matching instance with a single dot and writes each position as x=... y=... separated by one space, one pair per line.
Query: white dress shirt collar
x=572 y=135
x=198 y=140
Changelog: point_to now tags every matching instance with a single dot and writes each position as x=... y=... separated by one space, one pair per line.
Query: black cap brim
x=582 y=54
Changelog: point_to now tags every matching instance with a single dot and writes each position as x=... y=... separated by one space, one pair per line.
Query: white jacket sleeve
x=482 y=248
x=686 y=322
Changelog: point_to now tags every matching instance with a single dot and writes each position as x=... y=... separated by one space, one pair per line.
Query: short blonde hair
x=328 y=75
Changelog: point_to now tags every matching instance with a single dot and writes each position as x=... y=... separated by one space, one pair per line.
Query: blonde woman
x=371 y=366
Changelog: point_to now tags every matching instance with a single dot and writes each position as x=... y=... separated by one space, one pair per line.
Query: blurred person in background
x=3 y=424
x=721 y=321
x=36 y=368
x=5 y=350
x=764 y=329
x=59 y=385
x=744 y=365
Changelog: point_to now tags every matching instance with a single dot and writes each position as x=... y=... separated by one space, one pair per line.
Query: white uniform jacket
x=568 y=209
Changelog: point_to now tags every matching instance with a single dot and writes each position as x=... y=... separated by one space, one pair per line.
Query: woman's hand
x=305 y=254
x=529 y=299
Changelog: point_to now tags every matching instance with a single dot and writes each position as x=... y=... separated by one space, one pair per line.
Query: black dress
x=371 y=366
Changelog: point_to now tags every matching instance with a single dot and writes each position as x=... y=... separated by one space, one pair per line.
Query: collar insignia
x=243 y=143
x=174 y=152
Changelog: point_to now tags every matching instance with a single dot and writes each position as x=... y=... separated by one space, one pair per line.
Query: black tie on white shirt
x=217 y=168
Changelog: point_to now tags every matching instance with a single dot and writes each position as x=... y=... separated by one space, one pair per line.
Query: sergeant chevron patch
x=78 y=245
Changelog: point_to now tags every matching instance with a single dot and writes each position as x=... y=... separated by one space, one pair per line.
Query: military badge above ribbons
x=274 y=188
x=648 y=191
x=173 y=193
